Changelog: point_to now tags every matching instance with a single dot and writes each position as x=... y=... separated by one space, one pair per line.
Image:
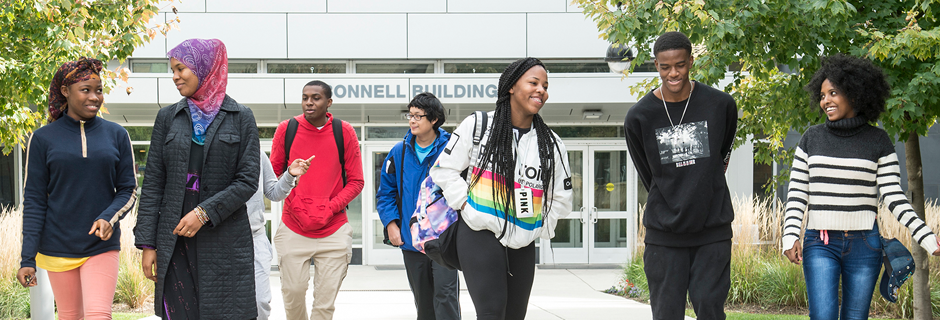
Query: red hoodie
x=316 y=208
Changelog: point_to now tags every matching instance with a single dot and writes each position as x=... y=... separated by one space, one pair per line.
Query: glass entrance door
x=602 y=225
x=375 y=252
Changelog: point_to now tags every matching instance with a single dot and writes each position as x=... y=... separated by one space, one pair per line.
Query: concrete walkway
x=382 y=293
x=371 y=292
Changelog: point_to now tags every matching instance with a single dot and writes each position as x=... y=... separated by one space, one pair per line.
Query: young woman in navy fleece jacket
x=80 y=182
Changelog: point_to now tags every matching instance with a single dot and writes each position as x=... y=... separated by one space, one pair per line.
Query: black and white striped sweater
x=838 y=173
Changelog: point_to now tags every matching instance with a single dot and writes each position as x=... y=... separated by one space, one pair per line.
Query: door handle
x=581 y=215
x=594 y=216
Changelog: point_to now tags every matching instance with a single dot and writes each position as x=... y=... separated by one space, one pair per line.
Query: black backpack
x=337 y=136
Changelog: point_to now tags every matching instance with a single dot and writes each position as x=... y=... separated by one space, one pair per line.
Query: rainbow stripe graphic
x=481 y=199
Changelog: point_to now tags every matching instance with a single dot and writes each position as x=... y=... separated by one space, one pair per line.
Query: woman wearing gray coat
x=202 y=167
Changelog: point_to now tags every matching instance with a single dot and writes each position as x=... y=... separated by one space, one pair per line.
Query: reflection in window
x=395 y=68
x=610 y=180
x=568 y=234
x=577 y=67
x=378 y=236
x=648 y=66
x=474 y=67
x=378 y=160
x=610 y=233
x=242 y=67
x=306 y=68
x=576 y=162
x=140 y=161
x=150 y=67
x=386 y=133
x=139 y=133
x=266 y=132
x=589 y=132
x=354 y=214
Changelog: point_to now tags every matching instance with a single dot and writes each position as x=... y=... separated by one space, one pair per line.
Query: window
x=306 y=67
x=139 y=133
x=242 y=67
x=150 y=67
x=576 y=67
x=586 y=132
x=394 y=68
x=386 y=133
x=475 y=67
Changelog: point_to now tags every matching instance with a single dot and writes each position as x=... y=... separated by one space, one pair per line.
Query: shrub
x=133 y=288
x=14 y=299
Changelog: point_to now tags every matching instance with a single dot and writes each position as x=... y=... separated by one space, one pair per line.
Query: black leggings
x=496 y=295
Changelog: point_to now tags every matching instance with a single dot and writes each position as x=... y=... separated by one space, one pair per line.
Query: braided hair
x=498 y=151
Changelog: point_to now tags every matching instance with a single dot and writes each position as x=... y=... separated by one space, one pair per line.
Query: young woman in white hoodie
x=518 y=185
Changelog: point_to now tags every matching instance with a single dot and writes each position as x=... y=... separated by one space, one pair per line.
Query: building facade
x=377 y=54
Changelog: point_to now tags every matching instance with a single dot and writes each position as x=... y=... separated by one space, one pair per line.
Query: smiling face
x=314 y=105
x=834 y=103
x=529 y=93
x=673 y=66
x=420 y=127
x=84 y=98
x=185 y=79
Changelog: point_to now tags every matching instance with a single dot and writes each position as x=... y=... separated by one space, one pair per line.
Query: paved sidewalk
x=371 y=293
x=382 y=293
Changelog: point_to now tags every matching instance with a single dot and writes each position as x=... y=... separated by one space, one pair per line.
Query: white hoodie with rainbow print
x=481 y=212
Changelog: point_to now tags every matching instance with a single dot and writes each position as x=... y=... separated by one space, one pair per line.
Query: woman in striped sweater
x=841 y=170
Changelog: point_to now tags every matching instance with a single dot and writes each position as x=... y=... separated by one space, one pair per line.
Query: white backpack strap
x=480 y=122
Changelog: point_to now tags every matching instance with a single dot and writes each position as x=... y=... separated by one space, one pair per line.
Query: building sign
x=402 y=90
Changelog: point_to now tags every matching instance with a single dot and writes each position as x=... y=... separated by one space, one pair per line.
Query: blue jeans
x=853 y=255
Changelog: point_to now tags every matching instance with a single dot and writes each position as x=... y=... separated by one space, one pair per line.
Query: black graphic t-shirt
x=683 y=165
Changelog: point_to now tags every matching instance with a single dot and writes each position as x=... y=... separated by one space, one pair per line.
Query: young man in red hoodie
x=314 y=223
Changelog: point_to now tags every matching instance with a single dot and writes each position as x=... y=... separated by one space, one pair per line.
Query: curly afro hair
x=860 y=81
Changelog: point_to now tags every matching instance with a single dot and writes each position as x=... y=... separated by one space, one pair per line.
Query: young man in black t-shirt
x=680 y=137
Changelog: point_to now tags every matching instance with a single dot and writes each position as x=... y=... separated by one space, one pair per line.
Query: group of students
x=201 y=226
x=200 y=223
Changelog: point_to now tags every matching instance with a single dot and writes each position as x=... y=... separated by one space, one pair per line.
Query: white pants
x=263 y=257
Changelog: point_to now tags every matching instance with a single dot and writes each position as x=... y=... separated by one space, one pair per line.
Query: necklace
x=683 y=109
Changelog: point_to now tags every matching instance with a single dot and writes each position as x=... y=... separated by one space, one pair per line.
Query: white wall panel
x=347 y=36
x=166 y=92
x=279 y=6
x=563 y=35
x=256 y=91
x=607 y=89
x=145 y=92
x=155 y=49
x=507 y=5
x=457 y=36
x=385 y=6
x=246 y=35
x=184 y=5
x=740 y=175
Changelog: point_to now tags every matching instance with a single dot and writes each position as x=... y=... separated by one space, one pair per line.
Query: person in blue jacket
x=435 y=288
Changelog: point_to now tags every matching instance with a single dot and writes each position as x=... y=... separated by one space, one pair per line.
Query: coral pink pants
x=86 y=292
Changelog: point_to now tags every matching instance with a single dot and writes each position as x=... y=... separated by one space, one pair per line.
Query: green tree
x=37 y=36
x=778 y=44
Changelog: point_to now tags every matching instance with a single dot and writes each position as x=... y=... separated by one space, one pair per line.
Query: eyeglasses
x=416 y=117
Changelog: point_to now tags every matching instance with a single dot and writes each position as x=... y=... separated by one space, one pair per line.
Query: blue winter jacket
x=415 y=173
